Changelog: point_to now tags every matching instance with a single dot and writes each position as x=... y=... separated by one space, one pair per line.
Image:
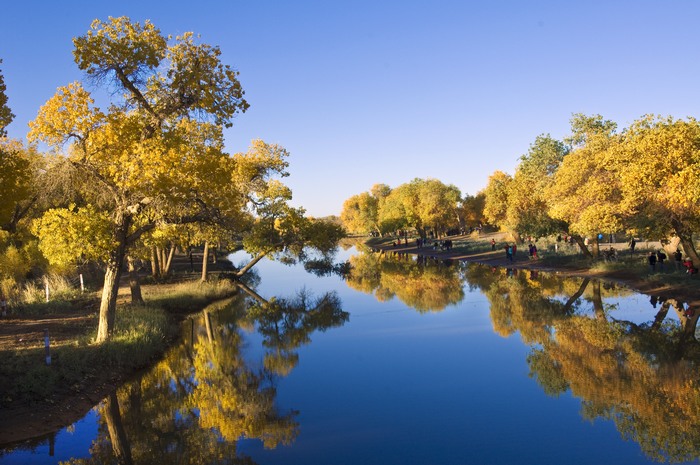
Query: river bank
x=22 y=335
x=38 y=399
x=630 y=270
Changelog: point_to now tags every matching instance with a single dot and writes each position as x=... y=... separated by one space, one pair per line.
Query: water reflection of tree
x=644 y=377
x=287 y=324
x=194 y=405
x=423 y=283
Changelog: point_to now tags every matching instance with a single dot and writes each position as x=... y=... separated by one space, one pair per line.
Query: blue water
x=396 y=386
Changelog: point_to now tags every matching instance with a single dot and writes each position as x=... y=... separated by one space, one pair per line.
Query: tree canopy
x=156 y=154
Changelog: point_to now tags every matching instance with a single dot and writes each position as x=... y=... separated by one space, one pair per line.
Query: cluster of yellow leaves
x=72 y=235
x=638 y=179
x=120 y=41
x=17 y=167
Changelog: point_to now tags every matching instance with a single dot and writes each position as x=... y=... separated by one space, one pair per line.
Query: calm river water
x=408 y=361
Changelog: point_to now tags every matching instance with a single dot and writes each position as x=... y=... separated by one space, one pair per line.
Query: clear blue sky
x=362 y=92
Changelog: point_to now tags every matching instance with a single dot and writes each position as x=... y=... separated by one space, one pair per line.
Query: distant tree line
x=640 y=181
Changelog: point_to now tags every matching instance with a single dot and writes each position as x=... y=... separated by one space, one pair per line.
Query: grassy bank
x=632 y=270
x=78 y=366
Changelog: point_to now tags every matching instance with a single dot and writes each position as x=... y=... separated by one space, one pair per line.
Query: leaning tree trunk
x=134 y=283
x=686 y=239
x=575 y=297
x=205 y=260
x=251 y=264
x=169 y=261
x=579 y=240
x=110 y=290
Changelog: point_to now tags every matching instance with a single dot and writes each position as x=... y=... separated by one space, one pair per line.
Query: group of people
x=420 y=243
x=511 y=249
x=659 y=257
x=656 y=257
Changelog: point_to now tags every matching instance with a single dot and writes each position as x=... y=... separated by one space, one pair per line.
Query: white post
x=46 y=287
x=82 y=285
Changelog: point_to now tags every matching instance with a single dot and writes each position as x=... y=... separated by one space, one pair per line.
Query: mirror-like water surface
x=409 y=361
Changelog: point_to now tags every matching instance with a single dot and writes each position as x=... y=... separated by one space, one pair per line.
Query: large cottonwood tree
x=156 y=153
x=527 y=209
x=659 y=174
x=360 y=213
x=422 y=204
x=496 y=202
x=585 y=192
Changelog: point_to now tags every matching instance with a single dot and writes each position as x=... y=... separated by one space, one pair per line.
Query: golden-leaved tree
x=586 y=190
x=155 y=154
x=659 y=173
x=421 y=204
x=360 y=213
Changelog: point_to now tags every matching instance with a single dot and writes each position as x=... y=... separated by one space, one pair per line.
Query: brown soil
x=18 y=333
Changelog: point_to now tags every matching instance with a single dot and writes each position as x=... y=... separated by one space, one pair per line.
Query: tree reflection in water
x=644 y=377
x=194 y=405
x=423 y=283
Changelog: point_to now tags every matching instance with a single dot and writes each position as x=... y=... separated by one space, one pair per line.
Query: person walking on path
x=652 y=261
x=633 y=243
x=660 y=257
x=678 y=259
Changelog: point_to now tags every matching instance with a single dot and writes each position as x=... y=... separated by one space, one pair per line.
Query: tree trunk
x=134 y=283
x=108 y=304
x=579 y=240
x=154 y=262
x=689 y=251
x=598 y=308
x=689 y=322
x=205 y=260
x=516 y=237
x=169 y=261
x=115 y=427
x=660 y=316
x=252 y=293
x=251 y=263
x=207 y=325
x=110 y=290
x=579 y=293
x=596 y=247
x=161 y=258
